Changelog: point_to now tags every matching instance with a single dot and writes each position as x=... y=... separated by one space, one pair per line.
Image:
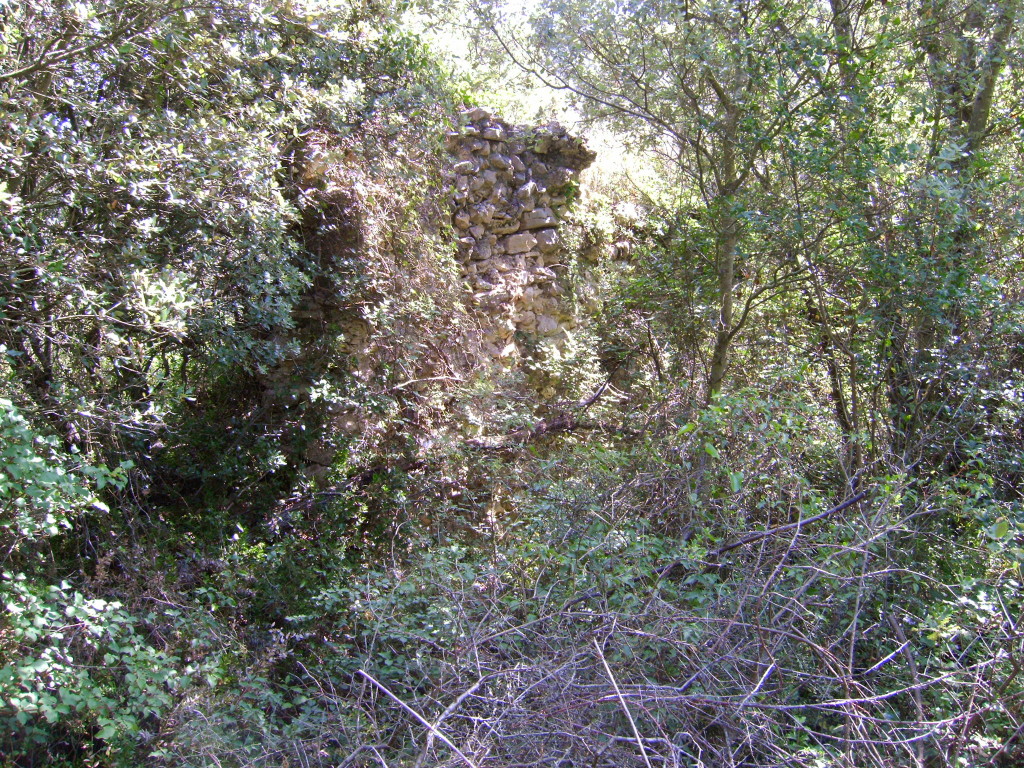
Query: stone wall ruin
x=513 y=185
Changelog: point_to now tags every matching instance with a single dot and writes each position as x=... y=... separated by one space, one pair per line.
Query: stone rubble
x=512 y=186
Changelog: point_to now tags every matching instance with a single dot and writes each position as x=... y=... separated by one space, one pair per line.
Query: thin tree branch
x=419 y=717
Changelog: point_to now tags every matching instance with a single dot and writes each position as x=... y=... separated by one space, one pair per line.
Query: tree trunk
x=728 y=236
x=728 y=239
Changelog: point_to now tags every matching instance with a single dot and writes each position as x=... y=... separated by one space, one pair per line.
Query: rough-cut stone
x=527 y=195
x=559 y=177
x=494 y=133
x=504 y=226
x=482 y=250
x=482 y=214
x=526 y=317
x=506 y=264
x=520 y=243
x=547 y=240
x=475 y=114
x=546 y=324
x=538 y=218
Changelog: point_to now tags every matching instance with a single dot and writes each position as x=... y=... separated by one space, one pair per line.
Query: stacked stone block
x=512 y=187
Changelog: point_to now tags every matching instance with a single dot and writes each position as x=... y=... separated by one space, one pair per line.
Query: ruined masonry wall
x=511 y=190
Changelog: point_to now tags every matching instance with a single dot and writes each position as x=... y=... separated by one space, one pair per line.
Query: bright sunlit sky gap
x=519 y=98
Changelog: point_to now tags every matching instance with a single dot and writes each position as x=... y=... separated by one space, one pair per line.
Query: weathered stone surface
x=505 y=225
x=484 y=182
x=547 y=240
x=559 y=177
x=501 y=163
x=526 y=317
x=520 y=243
x=543 y=274
x=538 y=218
x=494 y=133
x=546 y=324
x=475 y=114
x=527 y=195
x=482 y=250
x=482 y=213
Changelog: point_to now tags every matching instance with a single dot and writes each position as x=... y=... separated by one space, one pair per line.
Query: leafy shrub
x=83 y=677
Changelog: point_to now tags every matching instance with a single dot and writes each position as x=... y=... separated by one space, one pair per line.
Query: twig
x=451 y=708
x=789 y=526
x=759 y=686
x=882 y=662
x=664 y=571
x=420 y=718
x=622 y=701
x=916 y=677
